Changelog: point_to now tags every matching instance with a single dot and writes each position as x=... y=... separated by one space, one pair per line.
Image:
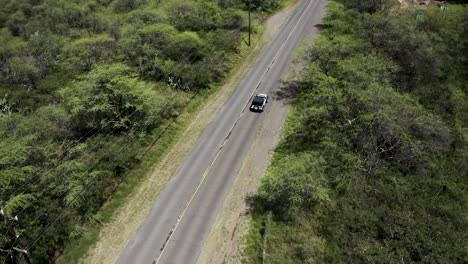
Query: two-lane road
x=182 y=216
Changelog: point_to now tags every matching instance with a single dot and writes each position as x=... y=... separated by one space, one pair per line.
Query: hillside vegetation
x=373 y=165
x=85 y=87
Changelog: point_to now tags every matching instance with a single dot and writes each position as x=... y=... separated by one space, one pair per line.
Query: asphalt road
x=182 y=216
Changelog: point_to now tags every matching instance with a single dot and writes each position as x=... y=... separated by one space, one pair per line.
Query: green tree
x=186 y=46
x=195 y=16
x=370 y=6
x=84 y=53
x=121 y=6
x=146 y=16
x=262 y=5
x=23 y=71
x=300 y=186
x=109 y=97
x=16 y=24
x=143 y=47
x=235 y=19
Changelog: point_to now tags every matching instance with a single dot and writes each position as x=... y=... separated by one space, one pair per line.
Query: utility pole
x=10 y=232
x=250 y=24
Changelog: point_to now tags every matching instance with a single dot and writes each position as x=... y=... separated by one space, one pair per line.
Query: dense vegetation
x=84 y=86
x=374 y=161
